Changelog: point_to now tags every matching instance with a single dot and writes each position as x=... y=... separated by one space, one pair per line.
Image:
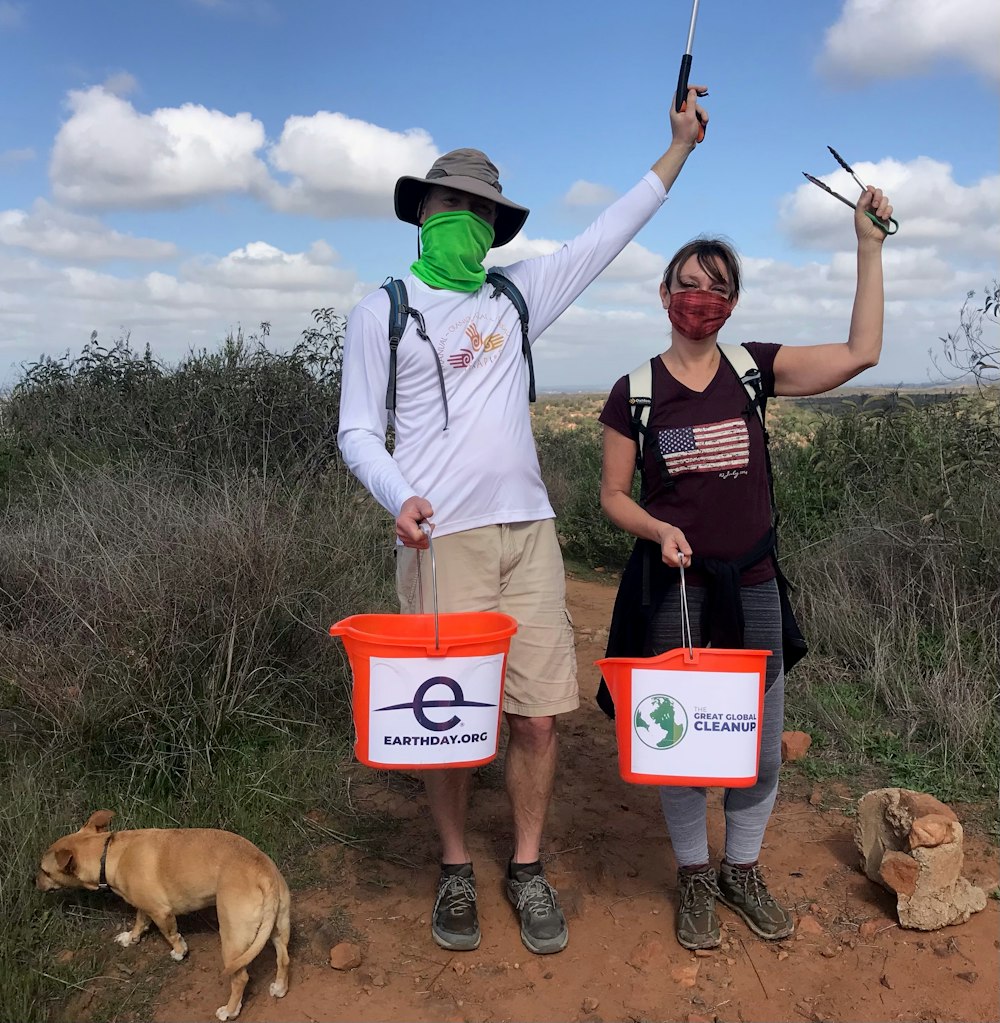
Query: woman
x=707 y=504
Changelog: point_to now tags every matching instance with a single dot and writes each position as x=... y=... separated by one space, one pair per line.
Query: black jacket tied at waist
x=646 y=581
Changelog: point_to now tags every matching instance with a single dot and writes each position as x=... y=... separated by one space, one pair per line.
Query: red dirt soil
x=607 y=853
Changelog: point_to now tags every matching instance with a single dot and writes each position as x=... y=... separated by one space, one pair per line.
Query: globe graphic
x=660 y=721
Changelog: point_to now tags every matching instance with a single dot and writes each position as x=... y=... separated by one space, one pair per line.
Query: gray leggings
x=747 y=810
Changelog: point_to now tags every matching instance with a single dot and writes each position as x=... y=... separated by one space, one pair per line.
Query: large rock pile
x=911 y=843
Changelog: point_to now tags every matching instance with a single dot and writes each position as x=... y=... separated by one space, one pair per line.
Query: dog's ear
x=99 y=821
x=65 y=861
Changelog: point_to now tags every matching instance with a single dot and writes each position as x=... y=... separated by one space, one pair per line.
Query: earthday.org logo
x=420 y=705
x=660 y=721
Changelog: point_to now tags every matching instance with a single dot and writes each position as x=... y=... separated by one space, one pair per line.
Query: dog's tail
x=270 y=900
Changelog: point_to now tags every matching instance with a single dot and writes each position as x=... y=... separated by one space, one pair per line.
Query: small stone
x=794 y=745
x=65 y=955
x=590 y=1005
x=345 y=956
x=816 y=796
x=886 y=981
x=548 y=975
x=782 y=956
x=379 y=978
x=970 y=976
x=645 y=953
x=869 y=928
x=703 y=953
x=459 y=968
x=730 y=962
x=686 y=976
x=809 y=925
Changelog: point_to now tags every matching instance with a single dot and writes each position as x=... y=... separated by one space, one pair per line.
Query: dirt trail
x=608 y=855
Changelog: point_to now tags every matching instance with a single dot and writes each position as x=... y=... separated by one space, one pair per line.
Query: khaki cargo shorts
x=515 y=568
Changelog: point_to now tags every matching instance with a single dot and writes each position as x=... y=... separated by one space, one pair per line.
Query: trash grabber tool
x=682 y=78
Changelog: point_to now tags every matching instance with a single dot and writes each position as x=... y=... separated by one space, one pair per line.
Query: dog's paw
x=278 y=990
x=125 y=939
x=179 y=954
x=223 y=1012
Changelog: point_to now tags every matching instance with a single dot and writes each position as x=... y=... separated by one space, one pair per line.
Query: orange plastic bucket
x=688 y=716
x=428 y=689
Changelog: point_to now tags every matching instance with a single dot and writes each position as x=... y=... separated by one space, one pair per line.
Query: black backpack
x=400 y=310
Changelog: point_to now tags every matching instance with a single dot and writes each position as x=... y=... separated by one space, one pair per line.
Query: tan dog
x=164 y=872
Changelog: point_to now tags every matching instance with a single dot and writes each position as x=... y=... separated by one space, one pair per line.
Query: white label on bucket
x=695 y=724
x=434 y=710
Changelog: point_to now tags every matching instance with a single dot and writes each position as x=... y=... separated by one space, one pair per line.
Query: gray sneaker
x=742 y=889
x=697 y=923
x=543 y=926
x=455 y=922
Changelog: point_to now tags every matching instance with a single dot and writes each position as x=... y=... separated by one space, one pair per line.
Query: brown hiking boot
x=697 y=923
x=742 y=889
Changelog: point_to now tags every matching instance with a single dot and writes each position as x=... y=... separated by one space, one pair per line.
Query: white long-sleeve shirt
x=483 y=469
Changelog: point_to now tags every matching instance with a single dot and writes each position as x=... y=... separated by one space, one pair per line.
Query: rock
x=899 y=873
x=685 y=976
x=870 y=928
x=794 y=745
x=646 y=952
x=816 y=796
x=809 y=926
x=911 y=843
x=590 y=1005
x=345 y=956
x=379 y=979
x=886 y=981
x=703 y=953
x=970 y=976
x=932 y=829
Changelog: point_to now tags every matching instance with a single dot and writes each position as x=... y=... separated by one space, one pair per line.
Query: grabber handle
x=680 y=99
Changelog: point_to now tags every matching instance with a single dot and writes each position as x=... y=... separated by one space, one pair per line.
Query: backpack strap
x=640 y=399
x=399 y=312
x=743 y=365
x=503 y=285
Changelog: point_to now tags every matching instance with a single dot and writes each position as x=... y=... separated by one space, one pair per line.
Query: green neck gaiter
x=453 y=246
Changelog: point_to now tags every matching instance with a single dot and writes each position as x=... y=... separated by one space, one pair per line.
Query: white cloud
x=891 y=38
x=107 y=154
x=931 y=207
x=49 y=310
x=61 y=235
x=587 y=193
x=340 y=166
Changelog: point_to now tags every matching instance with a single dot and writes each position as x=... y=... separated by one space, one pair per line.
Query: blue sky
x=176 y=168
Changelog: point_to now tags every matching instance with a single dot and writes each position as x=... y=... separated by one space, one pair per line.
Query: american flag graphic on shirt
x=714 y=447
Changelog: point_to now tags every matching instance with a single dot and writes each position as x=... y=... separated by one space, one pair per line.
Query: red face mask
x=697 y=314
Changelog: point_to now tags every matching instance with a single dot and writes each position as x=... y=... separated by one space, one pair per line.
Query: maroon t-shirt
x=714 y=453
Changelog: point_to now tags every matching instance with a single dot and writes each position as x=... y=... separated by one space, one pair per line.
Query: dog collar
x=102 y=880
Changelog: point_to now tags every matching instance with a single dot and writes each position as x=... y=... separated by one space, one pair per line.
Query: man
x=464 y=461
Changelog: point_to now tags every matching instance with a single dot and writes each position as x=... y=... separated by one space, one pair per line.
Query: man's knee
x=531 y=732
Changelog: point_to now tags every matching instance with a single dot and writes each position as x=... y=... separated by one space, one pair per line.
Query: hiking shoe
x=455 y=922
x=697 y=923
x=543 y=926
x=742 y=889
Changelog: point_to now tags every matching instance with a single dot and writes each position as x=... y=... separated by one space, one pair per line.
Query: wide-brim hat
x=467 y=170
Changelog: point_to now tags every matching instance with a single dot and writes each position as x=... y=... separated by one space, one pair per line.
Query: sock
x=531 y=869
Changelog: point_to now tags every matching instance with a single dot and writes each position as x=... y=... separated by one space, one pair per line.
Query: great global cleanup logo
x=660 y=721
x=420 y=704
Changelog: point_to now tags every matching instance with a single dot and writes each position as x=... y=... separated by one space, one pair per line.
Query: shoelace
x=697 y=887
x=460 y=893
x=537 y=895
x=752 y=883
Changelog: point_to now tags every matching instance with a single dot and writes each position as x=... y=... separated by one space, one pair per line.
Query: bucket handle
x=426 y=528
x=685 y=619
